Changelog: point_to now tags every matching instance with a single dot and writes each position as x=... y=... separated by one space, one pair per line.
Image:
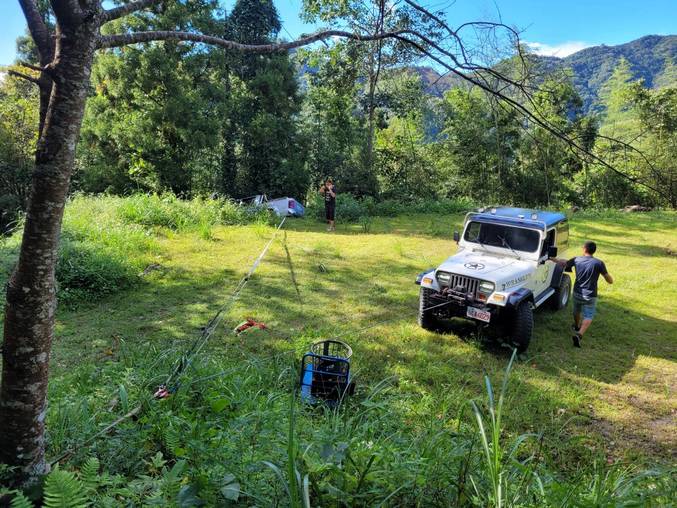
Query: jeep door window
x=496 y=235
x=549 y=242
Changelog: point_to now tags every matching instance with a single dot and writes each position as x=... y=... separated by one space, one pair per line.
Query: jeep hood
x=480 y=265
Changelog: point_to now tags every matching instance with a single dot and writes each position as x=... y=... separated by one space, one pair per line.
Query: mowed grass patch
x=611 y=401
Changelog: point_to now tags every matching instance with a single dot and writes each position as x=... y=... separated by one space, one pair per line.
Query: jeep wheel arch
x=519 y=296
x=560 y=298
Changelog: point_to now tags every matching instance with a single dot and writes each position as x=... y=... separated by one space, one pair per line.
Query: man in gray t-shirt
x=588 y=269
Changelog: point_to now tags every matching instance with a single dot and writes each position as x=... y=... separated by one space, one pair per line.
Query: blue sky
x=554 y=27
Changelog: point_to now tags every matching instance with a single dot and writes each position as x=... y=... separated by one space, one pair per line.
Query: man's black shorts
x=330 y=209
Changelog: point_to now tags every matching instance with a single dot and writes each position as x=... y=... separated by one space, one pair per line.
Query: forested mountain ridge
x=651 y=58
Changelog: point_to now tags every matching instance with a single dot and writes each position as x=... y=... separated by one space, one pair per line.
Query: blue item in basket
x=325 y=372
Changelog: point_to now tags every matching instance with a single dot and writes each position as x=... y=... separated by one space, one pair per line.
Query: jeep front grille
x=468 y=284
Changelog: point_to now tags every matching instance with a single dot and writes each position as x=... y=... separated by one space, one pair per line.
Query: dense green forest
x=194 y=121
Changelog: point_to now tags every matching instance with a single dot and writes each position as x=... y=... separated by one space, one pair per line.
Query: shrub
x=168 y=211
x=348 y=208
x=106 y=240
x=351 y=209
x=89 y=270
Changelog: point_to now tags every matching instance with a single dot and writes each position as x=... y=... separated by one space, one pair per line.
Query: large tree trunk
x=31 y=300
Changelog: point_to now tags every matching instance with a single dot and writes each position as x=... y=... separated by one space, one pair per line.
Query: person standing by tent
x=328 y=190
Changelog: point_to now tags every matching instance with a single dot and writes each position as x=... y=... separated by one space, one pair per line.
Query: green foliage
x=18 y=137
x=64 y=490
x=406 y=164
x=20 y=501
x=333 y=130
x=168 y=211
x=477 y=148
x=107 y=242
x=351 y=209
x=167 y=118
x=155 y=117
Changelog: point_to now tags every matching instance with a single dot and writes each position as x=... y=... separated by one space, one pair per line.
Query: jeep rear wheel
x=426 y=318
x=522 y=326
x=560 y=298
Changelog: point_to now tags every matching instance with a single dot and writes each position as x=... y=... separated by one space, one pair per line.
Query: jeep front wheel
x=560 y=298
x=522 y=326
x=426 y=318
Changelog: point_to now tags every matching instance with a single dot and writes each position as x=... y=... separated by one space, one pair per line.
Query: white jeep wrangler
x=501 y=272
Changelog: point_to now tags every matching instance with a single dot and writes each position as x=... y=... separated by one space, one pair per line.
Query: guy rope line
x=213 y=324
x=188 y=357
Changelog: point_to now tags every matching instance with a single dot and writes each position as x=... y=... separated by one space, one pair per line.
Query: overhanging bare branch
x=113 y=41
x=519 y=108
x=32 y=67
x=128 y=8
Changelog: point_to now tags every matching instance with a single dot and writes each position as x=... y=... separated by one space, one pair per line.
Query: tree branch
x=125 y=9
x=38 y=30
x=32 y=67
x=519 y=107
x=113 y=41
x=24 y=76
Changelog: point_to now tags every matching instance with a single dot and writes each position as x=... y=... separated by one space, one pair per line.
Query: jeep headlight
x=443 y=277
x=486 y=287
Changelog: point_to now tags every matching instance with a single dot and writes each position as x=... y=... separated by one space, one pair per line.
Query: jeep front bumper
x=458 y=304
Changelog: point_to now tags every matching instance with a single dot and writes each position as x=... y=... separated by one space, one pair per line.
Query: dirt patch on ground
x=640 y=412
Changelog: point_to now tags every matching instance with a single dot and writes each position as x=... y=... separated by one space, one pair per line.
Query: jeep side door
x=545 y=269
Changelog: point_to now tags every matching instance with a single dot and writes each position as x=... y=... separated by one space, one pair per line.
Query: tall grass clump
x=99 y=254
x=239 y=435
x=106 y=241
x=167 y=211
x=509 y=479
x=198 y=214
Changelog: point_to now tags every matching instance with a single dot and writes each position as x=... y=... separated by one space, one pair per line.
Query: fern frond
x=64 y=490
x=20 y=501
x=171 y=438
x=89 y=475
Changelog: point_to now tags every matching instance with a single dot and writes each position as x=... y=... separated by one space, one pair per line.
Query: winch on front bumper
x=460 y=303
x=458 y=296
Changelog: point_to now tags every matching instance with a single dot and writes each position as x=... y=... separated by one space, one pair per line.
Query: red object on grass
x=250 y=323
x=162 y=392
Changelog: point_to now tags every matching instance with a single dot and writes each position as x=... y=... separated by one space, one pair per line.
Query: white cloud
x=559 y=50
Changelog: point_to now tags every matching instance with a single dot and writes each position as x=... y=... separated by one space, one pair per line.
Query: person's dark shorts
x=330 y=209
x=585 y=307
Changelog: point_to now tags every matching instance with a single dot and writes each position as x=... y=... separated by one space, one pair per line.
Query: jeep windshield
x=499 y=235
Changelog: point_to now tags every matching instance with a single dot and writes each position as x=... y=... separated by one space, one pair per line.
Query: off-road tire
x=521 y=326
x=560 y=299
x=426 y=318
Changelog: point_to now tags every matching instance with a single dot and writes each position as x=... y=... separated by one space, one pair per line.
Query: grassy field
x=395 y=442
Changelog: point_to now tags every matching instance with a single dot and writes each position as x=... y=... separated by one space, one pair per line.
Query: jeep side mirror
x=552 y=251
x=457 y=237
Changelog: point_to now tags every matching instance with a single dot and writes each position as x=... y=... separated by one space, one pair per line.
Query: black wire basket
x=325 y=372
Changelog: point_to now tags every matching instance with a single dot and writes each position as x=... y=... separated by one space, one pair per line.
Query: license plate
x=481 y=315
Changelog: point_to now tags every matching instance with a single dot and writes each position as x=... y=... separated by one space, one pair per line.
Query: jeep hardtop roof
x=538 y=219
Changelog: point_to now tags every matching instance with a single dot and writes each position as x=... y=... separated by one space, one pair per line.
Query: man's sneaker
x=576 y=337
x=575 y=328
